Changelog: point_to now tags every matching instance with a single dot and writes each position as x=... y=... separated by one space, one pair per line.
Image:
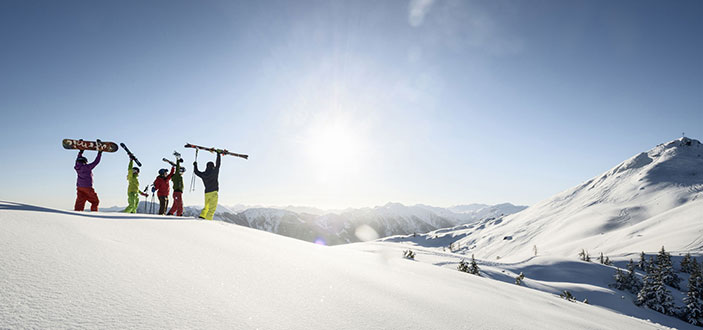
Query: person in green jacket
x=133 y=188
x=177 y=179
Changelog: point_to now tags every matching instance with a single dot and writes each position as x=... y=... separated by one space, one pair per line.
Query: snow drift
x=65 y=269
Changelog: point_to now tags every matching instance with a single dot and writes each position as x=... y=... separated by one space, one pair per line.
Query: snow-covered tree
x=633 y=281
x=642 y=264
x=473 y=268
x=686 y=264
x=654 y=293
x=607 y=261
x=409 y=254
x=620 y=282
x=567 y=295
x=693 y=307
x=666 y=269
x=519 y=279
x=583 y=255
x=463 y=266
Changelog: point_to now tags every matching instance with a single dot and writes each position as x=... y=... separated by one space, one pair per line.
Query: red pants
x=86 y=194
x=177 y=204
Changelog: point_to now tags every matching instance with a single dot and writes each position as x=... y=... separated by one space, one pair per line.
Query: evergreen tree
x=607 y=261
x=633 y=281
x=519 y=279
x=601 y=259
x=642 y=264
x=409 y=254
x=654 y=293
x=473 y=269
x=583 y=255
x=686 y=264
x=693 y=308
x=620 y=281
x=463 y=266
x=666 y=269
x=567 y=295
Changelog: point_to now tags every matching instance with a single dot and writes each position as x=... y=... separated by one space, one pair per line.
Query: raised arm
x=170 y=174
x=195 y=169
x=96 y=161
x=217 y=163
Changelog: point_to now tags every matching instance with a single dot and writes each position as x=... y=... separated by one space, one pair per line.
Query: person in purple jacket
x=84 y=184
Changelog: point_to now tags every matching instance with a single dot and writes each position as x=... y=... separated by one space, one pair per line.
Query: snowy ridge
x=649 y=200
x=65 y=269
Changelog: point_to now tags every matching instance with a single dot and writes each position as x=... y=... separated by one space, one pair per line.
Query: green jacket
x=177 y=178
x=133 y=179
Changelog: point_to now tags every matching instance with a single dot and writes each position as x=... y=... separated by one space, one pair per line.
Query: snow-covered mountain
x=339 y=227
x=64 y=269
x=653 y=199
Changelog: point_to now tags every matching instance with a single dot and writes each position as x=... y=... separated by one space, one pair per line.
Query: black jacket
x=210 y=176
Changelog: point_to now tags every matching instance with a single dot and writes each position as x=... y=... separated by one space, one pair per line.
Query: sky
x=345 y=103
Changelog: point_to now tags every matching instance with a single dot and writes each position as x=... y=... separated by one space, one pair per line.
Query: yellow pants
x=210 y=205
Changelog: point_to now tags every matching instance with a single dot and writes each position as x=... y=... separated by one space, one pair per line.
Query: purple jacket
x=85 y=171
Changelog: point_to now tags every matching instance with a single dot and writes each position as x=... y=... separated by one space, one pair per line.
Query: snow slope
x=64 y=269
x=654 y=198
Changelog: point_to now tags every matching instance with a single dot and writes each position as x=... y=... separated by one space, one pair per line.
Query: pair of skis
x=215 y=150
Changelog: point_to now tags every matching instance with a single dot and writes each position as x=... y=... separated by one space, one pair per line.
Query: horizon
x=345 y=104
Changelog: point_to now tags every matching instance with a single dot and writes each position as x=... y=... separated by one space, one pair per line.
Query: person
x=209 y=177
x=162 y=188
x=84 y=184
x=133 y=191
x=177 y=179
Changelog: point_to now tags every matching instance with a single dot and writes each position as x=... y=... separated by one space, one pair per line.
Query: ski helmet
x=210 y=165
x=163 y=171
x=82 y=159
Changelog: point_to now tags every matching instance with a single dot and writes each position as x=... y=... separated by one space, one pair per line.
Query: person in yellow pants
x=209 y=177
x=133 y=188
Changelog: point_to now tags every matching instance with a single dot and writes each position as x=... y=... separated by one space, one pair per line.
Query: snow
x=650 y=200
x=63 y=269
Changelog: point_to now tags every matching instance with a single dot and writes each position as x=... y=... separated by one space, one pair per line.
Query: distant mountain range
x=340 y=226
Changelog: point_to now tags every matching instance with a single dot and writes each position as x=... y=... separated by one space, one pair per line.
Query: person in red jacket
x=162 y=188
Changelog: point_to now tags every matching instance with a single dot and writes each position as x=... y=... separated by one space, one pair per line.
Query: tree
x=519 y=279
x=583 y=255
x=693 y=309
x=473 y=268
x=409 y=254
x=607 y=261
x=666 y=269
x=463 y=266
x=634 y=282
x=642 y=264
x=567 y=295
x=654 y=293
x=686 y=264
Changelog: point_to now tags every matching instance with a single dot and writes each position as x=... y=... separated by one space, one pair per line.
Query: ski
x=220 y=151
x=89 y=145
x=131 y=156
x=172 y=163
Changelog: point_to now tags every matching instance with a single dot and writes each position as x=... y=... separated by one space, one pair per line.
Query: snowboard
x=131 y=156
x=89 y=145
x=220 y=151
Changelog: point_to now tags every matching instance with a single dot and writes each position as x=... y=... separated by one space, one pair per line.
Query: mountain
x=65 y=269
x=651 y=200
x=339 y=227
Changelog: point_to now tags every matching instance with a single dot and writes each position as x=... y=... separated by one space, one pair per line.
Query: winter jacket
x=210 y=176
x=161 y=184
x=85 y=171
x=132 y=178
x=177 y=178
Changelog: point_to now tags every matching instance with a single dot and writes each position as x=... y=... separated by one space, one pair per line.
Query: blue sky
x=346 y=103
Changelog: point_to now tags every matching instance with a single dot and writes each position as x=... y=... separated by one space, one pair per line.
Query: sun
x=335 y=149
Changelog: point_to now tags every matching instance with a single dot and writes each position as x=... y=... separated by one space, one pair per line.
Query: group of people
x=161 y=186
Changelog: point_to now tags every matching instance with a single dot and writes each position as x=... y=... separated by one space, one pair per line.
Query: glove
x=153 y=189
x=195 y=163
x=144 y=194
